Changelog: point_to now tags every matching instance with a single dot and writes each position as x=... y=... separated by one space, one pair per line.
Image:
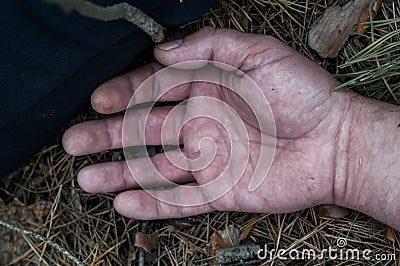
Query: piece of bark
x=236 y=255
x=331 y=32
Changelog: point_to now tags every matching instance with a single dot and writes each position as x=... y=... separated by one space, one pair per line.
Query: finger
x=138 y=204
x=117 y=176
x=142 y=127
x=114 y=95
x=223 y=45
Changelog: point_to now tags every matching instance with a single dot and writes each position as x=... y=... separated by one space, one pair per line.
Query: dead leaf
x=217 y=241
x=232 y=235
x=246 y=231
x=146 y=241
x=40 y=208
x=223 y=239
x=16 y=203
x=389 y=234
x=332 y=211
x=369 y=13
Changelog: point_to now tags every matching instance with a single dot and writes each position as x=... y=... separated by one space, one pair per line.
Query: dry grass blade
x=375 y=68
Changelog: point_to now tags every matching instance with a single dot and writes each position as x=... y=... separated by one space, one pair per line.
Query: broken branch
x=115 y=12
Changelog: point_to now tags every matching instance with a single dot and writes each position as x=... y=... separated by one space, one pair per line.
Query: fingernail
x=166 y=46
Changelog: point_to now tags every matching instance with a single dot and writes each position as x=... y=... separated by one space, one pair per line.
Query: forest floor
x=59 y=224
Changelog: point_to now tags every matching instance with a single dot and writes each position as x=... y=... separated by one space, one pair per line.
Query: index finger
x=114 y=95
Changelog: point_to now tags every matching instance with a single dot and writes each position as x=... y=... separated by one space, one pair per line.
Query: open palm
x=223 y=142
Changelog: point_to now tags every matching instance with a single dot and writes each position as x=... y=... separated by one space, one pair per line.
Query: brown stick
x=115 y=12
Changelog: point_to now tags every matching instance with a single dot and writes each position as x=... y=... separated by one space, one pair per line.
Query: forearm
x=372 y=173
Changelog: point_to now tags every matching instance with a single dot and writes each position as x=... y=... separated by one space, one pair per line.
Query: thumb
x=197 y=46
x=223 y=45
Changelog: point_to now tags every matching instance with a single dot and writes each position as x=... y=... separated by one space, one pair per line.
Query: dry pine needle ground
x=44 y=198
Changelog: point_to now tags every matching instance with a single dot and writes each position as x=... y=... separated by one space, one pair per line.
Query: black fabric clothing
x=50 y=62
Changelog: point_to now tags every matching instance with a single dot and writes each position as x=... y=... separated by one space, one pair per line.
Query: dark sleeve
x=50 y=62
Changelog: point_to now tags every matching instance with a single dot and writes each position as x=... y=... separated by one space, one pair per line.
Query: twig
x=43 y=239
x=115 y=12
x=141 y=251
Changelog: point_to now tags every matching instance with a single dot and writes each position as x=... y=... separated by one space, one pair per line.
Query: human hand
x=310 y=123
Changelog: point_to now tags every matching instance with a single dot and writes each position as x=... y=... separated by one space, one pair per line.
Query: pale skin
x=332 y=147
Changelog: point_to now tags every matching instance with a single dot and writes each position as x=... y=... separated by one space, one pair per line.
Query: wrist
x=368 y=169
